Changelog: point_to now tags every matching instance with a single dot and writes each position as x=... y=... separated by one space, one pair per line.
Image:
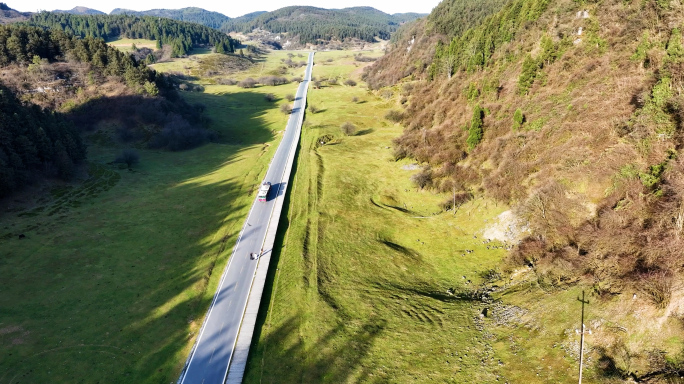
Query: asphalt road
x=214 y=348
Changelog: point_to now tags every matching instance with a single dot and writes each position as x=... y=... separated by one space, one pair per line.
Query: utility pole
x=582 y=330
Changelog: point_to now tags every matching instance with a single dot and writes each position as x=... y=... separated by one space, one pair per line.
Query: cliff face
x=571 y=113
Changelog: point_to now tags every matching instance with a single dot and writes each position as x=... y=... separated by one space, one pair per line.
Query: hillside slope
x=9 y=15
x=61 y=85
x=571 y=114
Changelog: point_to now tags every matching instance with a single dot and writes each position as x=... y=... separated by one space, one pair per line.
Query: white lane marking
x=218 y=291
x=293 y=145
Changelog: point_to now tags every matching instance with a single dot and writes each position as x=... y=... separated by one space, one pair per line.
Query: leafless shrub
x=386 y=94
x=350 y=83
x=458 y=198
x=290 y=97
x=363 y=58
x=286 y=108
x=226 y=81
x=247 y=83
x=355 y=99
x=270 y=97
x=313 y=109
x=394 y=116
x=273 y=80
x=528 y=252
x=399 y=153
x=548 y=211
x=348 y=128
x=423 y=179
x=294 y=64
x=658 y=287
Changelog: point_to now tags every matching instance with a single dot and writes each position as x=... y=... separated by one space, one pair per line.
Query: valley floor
x=373 y=280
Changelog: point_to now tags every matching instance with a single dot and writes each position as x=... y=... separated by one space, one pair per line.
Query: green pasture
x=126 y=45
x=115 y=272
x=370 y=280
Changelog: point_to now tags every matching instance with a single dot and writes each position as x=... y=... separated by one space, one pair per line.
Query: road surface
x=209 y=361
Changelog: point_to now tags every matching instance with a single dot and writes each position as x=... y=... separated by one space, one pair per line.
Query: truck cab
x=263 y=191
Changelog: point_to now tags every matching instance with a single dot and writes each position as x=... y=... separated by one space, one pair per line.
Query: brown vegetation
x=593 y=170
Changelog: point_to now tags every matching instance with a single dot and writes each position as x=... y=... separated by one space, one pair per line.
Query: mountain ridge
x=188 y=14
x=79 y=10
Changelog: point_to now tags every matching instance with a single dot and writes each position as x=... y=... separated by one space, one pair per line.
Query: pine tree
x=475 y=132
x=528 y=74
x=518 y=119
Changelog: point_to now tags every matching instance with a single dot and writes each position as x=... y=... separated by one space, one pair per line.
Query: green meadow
x=371 y=280
x=116 y=270
x=370 y=284
x=126 y=45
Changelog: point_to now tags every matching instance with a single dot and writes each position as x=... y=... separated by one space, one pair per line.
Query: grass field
x=362 y=290
x=126 y=45
x=115 y=273
x=371 y=282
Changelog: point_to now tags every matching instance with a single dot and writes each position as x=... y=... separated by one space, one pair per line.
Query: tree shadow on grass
x=324 y=360
x=114 y=289
x=336 y=357
x=233 y=118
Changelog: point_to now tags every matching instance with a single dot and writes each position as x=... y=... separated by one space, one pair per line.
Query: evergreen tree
x=475 y=132
x=674 y=45
x=32 y=141
x=518 y=119
x=528 y=74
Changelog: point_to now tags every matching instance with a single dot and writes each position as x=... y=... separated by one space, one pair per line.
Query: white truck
x=263 y=191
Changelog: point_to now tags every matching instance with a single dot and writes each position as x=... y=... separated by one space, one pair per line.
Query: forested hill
x=191 y=15
x=68 y=84
x=312 y=24
x=37 y=142
x=180 y=35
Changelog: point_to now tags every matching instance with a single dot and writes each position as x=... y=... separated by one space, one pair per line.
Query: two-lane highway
x=210 y=359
